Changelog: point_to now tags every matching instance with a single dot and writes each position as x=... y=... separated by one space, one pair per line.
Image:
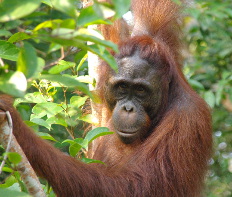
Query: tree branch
x=10 y=143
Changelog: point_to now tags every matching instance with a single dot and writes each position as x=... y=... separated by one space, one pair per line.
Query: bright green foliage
x=14 y=9
x=56 y=25
x=13 y=83
x=209 y=69
x=14 y=158
x=8 y=51
x=10 y=193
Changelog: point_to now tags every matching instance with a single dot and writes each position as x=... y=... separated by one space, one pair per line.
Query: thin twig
x=70 y=51
x=57 y=60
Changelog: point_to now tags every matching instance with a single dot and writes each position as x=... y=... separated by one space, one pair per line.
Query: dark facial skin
x=134 y=95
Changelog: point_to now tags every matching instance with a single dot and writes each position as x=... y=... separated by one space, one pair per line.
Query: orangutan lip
x=126 y=133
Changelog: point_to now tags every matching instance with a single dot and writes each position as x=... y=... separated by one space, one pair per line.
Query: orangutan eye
x=122 y=86
x=140 y=89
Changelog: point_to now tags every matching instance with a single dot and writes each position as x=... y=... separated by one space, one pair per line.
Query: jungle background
x=44 y=64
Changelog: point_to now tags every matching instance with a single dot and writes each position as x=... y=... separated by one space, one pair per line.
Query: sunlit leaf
x=121 y=7
x=196 y=84
x=86 y=79
x=14 y=9
x=74 y=149
x=19 y=36
x=97 y=132
x=6 y=169
x=89 y=118
x=56 y=23
x=83 y=142
x=78 y=101
x=47 y=2
x=49 y=109
x=105 y=55
x=61 y=66
x=15 y=158
x=11 y=193
x=13 y=83
x=66 y=6
x=67 y=81
x=8 y=182
x=210 y=98
x=87 y=160
x=35 y=97
x=5 y=33
x=41 y=122
x=88 y=16
x=8 y=51
x=27 y=61
x=46 y=136
x=57 y=120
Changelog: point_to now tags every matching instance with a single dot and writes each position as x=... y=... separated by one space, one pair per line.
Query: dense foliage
x=209 y=69
x=43 y=62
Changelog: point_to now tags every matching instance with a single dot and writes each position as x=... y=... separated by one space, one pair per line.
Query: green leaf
x=86 y=79
x=57 y=120
x=66 y=6
x=8 y=51
x=39 y=68
x=82 y=60
x=104 y=9
x=41 y=122
x=27 y=61
x=74 y=149
x=5 y=33
x=83 y=142
x=67 y=81
x=68 y=141
x=64 y=33
x=47 y=2
x=121 y=7
x=78 y=101
x=56 y=23
x=48 y=24
x=196 y=84
x=6 y=169
x=105 y=55
x=76 y=145
x=46 y=136
x=19 y=36
x=11 y=193
x=94 y=36
x=54 y=47
x=13 y=83
x=97 y=132
x=219 y=92
x=87 y=160
x=84 y=34
x=210 y=98
x=8 y=182
x=89 y=118
x=14 y=158
x=35 y=97
x=14 y=9
x=48 y=108
x=95 y=48
x=61 y=66
x=88 y=16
